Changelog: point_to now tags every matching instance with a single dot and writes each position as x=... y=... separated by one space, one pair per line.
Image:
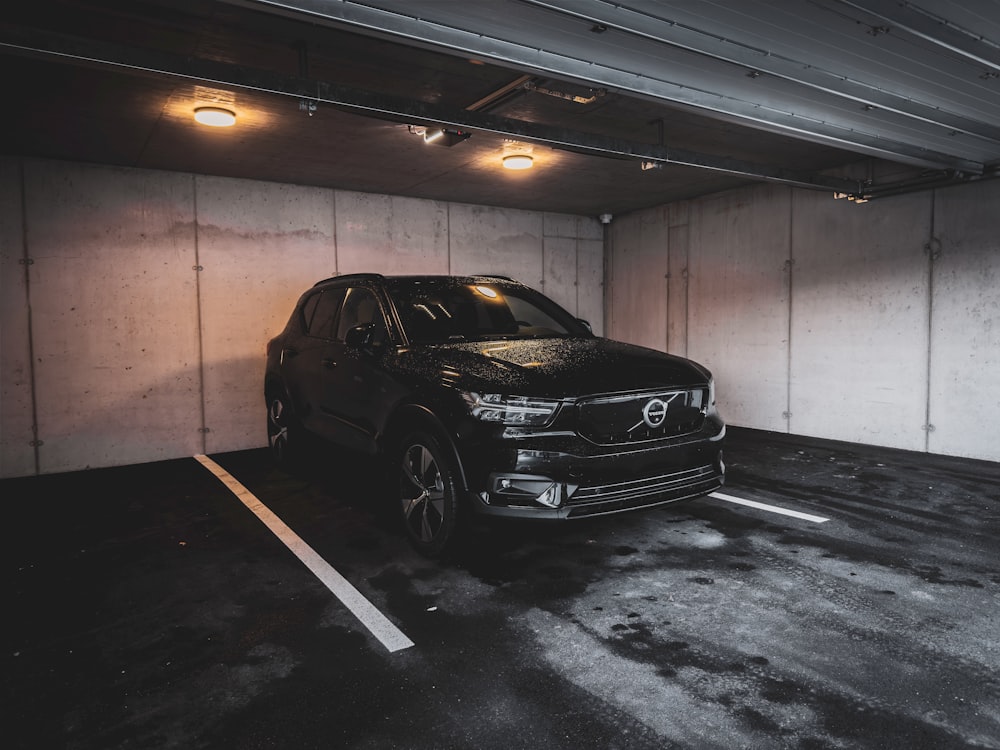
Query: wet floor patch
x=161 y=615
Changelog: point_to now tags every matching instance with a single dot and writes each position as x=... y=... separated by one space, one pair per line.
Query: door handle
x=329 y=363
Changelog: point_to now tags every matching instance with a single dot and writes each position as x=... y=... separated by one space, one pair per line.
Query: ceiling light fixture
x=518 y=161
x=445 y=136
x=216 y=117
x=517 y=155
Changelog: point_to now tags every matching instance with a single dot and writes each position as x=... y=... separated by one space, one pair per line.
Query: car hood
x=553 y=367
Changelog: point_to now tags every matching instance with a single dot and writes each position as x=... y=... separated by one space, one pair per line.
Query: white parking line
x=770 y=508
x=377 y=623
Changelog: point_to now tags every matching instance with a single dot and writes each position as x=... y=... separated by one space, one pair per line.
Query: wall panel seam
x=199 y=314
x=791 y=297
x=930 y=249
x=26 y=258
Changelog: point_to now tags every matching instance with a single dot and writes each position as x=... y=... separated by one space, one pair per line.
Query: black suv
x=483 y=396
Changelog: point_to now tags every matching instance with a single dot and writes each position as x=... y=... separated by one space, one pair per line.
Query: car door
x=358 y=392
x=305 y=360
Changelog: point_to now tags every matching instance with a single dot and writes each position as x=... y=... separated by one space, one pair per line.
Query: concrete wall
x=137 y=304
x=876 y=323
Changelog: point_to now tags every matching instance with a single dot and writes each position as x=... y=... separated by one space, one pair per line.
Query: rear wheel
x=428 y=497
x=284 y=433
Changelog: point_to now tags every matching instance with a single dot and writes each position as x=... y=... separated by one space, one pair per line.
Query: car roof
x=351 y=277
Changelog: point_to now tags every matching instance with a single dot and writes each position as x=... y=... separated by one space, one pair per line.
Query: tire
x=427 y=494
x=285 y=437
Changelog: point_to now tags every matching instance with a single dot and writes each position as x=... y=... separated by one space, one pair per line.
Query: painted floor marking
x=377 y=623
x=771 y=508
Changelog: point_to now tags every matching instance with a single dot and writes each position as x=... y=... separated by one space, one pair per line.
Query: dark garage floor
x=148 y=608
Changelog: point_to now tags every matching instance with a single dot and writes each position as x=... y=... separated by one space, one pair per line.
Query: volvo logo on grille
x=654 y=413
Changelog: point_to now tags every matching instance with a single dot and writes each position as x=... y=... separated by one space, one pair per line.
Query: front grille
x=636 y=493
x=641 y=417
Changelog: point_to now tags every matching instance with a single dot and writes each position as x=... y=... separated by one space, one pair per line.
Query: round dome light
x=216 y=117
x=518 y=161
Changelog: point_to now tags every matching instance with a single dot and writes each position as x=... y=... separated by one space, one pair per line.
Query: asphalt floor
x=148 y=607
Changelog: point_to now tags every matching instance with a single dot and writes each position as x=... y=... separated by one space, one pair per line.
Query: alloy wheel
x=422 y=494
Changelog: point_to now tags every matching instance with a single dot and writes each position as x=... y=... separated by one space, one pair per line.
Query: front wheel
x=428 y=497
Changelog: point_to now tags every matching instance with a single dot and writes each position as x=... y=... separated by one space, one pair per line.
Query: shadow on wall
x=216 y=408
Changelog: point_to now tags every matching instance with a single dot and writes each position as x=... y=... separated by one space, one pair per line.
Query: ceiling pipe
x=85 y=51
x=931 y=28
x=650 y=24
x=443 y=31
x=941 y=180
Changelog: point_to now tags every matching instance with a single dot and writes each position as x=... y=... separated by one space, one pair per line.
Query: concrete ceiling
x=623 y=105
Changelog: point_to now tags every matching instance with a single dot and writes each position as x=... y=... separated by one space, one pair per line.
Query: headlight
x=511 y=410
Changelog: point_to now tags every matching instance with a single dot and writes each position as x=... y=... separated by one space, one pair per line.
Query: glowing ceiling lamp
x=518 y=161
x=216 y=117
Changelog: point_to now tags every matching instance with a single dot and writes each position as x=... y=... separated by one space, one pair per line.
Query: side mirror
x=585 y=324
x=360 y=337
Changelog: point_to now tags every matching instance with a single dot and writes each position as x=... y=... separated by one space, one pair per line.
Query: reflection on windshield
x=435 y=312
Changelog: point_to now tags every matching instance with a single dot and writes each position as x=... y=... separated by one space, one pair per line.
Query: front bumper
x=556 y=478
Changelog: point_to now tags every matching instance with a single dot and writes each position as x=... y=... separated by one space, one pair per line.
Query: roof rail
x=352 y=277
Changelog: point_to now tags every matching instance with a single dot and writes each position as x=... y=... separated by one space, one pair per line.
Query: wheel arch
x=410 y=417
x=274 y=385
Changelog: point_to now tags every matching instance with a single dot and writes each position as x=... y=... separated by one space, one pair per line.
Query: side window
x=324 y=313
x=309 y=310
x=360 y=308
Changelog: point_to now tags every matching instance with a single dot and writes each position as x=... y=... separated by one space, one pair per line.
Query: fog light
x=552 y=497
x=524 y=490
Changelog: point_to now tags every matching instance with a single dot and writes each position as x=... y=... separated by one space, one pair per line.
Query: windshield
x=439 y=310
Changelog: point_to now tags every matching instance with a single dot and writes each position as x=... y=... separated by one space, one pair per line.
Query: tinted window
x=360 y=309
x=435 y=311
x=323 y=307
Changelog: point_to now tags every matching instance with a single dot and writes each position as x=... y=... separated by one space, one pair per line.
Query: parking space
x=151 y=608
